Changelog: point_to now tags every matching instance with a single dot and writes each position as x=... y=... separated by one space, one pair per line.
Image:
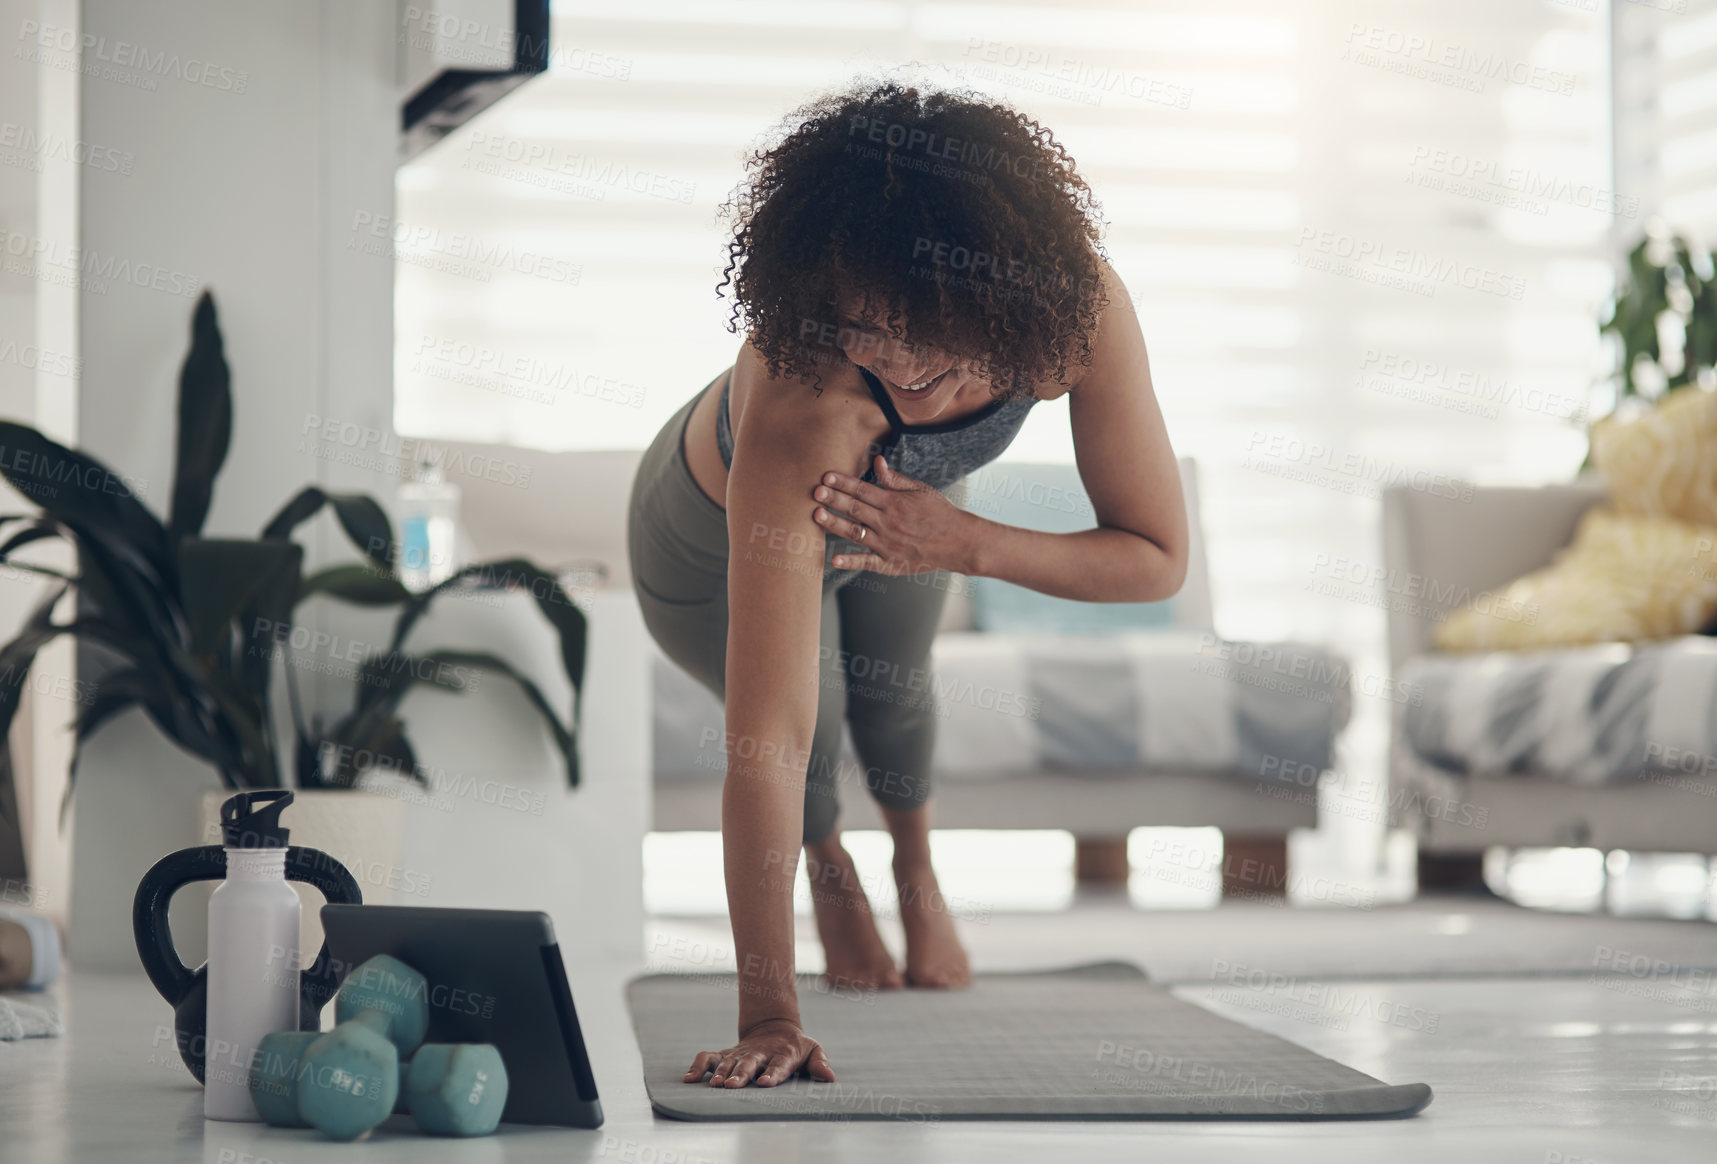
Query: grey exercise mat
x=1085 y=1043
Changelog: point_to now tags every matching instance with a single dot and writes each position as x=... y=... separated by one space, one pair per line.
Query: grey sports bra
x=936 y=454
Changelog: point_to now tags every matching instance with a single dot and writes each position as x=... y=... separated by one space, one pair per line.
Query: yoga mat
x=1085 y=1043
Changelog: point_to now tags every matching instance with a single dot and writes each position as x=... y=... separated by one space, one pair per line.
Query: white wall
x=17 y=387
x=38 y=385
x=245 y=193
x=572 y=511
x=17 y=217
x=517 y=837
x=267 y=197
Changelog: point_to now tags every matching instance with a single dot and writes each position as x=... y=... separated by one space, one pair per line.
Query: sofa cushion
x=1625 y=578
x=1594 y=715
x=1052 y=498
x=1005 y=608
x=1009 y=705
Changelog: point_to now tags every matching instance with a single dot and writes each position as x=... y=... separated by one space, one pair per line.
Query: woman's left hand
x=905 y=526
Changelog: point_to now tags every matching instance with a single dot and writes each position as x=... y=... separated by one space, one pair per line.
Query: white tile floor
x=1542 y=1068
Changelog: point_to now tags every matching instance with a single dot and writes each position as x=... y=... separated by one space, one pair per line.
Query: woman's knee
x=893 y=734
x=901 y=791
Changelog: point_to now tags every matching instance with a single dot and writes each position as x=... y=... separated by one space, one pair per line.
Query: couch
x=1094 y=733
x=1611 y=746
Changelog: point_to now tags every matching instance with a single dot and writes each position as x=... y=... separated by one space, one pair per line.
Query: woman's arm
x=1137 y=552
x=775 y=569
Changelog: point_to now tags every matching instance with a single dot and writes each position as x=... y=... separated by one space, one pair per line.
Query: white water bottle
x=253 y=951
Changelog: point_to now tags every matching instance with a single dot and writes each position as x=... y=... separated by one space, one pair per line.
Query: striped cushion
x=1594 y=715
x=1010 y=705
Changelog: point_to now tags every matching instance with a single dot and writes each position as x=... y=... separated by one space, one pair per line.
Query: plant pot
x=364 y=831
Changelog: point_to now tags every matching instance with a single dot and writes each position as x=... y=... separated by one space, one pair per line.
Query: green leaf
x=44 y=571
x=306 y=505
x=39 y=529
x=563 y=738
x=383 y=682
x=192 y=712
x=1702 y=326
x=360 y=585
x=221 y=577
x=268 y=609
x=173 y=714
x=387 y=680
x=364 y=521
x=135 y=612
x=239 y=724
x=307 y=760
x=381 y=738
x=393 y=674
x=129 y=598
x=205 y=423
x=551 y=599
x=35 y=532
x=84 y=495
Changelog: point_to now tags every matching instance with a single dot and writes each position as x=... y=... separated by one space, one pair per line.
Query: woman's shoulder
x=1059 y=386
x=835 y=396
x=1116 y=314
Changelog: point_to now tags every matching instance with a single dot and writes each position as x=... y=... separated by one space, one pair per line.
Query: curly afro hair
x=954 y=220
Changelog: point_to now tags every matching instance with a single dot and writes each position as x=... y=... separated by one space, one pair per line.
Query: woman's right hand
x=771 y=1051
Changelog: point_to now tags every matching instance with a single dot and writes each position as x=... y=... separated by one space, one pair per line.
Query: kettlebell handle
x=149 y=912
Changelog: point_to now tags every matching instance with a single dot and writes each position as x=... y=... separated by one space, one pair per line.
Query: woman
x=914 y=271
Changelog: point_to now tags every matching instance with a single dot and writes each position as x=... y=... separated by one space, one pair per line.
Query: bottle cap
x=251 y=820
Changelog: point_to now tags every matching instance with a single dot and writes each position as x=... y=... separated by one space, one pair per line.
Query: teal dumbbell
x=335 y=1082
x=348 y=1080
x=455 y=1089
x=390 y=998
x=274 y=1076
x=282 y=1062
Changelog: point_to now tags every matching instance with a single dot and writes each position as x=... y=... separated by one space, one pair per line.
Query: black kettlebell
x=187 y=989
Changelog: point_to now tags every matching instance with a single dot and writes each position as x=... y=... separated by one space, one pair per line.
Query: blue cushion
x=1052 y=499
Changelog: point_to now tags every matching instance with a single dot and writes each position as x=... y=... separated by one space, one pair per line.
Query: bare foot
x=853 y=951
x=934 y=955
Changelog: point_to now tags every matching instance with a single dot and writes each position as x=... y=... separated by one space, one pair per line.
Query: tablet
x=495 y=976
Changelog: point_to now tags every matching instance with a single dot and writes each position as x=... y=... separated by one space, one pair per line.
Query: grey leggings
x=874 y=648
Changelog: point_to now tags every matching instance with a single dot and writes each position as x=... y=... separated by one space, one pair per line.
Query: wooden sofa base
x=1101 y=861
x=1452 y=872
x=1254 y=866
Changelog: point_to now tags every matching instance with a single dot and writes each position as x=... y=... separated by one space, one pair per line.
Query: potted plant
x=1667 y=292
x=190 y=625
